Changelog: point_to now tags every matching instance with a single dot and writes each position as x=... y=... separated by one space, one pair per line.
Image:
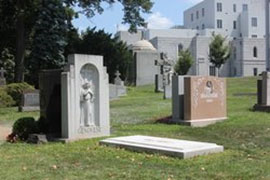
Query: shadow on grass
x=165 y=120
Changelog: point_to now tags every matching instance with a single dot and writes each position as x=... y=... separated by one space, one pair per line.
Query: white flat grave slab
x=172 y=147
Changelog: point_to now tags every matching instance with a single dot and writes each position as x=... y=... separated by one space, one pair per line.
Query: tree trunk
x=20 y=45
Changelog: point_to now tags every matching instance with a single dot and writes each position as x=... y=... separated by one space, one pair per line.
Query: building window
x=191 y=17
x=203 y=12
x=212 y=71
x=180 y=48
x=234 y=25
x=255 y=52
x=234 y=8
x=254 y=36
x=235 y=53
x=245 y=7
x=235 y=71
x=254 y=22
x=219 y=24
x=219 y=7
x=255 y=71
x=203 y=26
x=197 y=14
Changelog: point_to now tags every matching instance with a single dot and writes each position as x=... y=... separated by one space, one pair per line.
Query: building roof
x=142 y=45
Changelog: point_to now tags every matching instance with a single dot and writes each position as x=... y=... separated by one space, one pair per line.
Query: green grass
x=245 y=136
x=10 y=115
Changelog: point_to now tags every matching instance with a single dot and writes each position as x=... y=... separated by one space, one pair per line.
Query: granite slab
x=172 y=147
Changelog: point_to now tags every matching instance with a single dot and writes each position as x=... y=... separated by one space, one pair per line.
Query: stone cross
x=166 y=68
x=117 y=79
x=117 y=74
x=2 y=73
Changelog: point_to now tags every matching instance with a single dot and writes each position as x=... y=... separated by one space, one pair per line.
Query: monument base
x=199 y=122
x=70 y=140
x=263 y=108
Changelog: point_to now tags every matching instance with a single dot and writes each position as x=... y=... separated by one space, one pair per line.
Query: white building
x=241 y=21
x=234 y=18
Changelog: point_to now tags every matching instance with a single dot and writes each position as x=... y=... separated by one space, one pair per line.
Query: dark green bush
x=15 y=90
x=5 y=99
x=25 y=126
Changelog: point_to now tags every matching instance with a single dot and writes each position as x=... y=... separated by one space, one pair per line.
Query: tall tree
x=219 y=51
x=24 y=15
x=7 y=62
x=49 y=39
x=184 y=62
x=116 y=54
x=7 y=29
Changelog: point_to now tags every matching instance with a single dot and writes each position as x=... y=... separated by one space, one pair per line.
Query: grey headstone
x=30 y=101
x=177 y=98
x=263 y=93
x=266 y=88
x=117 y=89
x=259 y=91
x=117 y=80
x=159 y=83
x=168 y=92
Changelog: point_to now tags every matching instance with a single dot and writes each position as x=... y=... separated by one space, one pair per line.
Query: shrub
x=184 y=62
x=15 y=90
x=5 y=99
x=25 y=126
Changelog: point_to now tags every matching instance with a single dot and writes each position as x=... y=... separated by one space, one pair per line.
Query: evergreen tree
x=116 y=54
x=219 y=51
x=21 y=15
x=49 y=39
x=7 y=62
x=184 y=62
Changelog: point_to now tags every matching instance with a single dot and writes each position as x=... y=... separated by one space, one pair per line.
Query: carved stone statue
x=87 y=106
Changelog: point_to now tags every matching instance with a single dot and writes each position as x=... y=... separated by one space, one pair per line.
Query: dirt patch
x=165 y=120
x=4 y=132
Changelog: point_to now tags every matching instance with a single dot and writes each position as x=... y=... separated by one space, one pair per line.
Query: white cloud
x=158 y=21
x=195 y=1
x=121 y=27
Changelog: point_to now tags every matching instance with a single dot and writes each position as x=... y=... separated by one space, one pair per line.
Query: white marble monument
x=85 y=98
x=118 y=89
x=172 y=147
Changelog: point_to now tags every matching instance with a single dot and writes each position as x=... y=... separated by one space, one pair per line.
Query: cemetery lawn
x=245 y=136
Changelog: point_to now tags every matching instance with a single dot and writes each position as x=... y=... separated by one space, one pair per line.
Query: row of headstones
x=30 y=100
x=74 y=102
x=163 y=80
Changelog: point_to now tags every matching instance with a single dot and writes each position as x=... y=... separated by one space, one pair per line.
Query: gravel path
x=4 y=132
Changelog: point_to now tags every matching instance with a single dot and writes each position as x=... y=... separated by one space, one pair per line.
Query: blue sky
x=165 y=13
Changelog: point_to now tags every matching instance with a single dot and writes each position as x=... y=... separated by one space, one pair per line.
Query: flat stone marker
x=30 y=101
x=172 y=147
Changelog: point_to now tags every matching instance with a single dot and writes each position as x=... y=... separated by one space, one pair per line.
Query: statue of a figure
x=86 y=101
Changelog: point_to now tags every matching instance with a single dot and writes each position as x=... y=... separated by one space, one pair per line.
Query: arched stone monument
x=85 y=98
